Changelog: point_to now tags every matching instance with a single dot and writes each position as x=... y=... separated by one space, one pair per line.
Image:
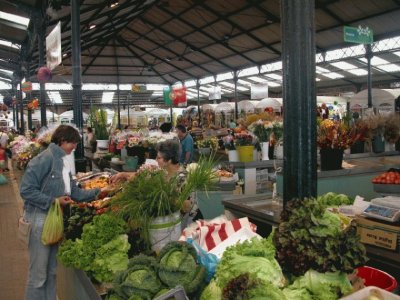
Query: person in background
x=46 y=178
x=4 y=145
x=166 y=127
x=187 y=145
x=232 y=124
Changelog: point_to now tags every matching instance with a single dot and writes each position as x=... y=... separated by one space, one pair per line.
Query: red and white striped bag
x=209 y=233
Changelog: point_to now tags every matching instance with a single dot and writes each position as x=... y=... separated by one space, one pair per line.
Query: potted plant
x=262 y=130
x=392 y=131
x=376 y=127
x=332 y=138
x=229 y=145
x=206 y=145
x=244 y=145
x=98 y=121
x=153 y=199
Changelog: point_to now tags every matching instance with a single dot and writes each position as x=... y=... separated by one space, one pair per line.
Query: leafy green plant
x=98 y=121
x=152 y=193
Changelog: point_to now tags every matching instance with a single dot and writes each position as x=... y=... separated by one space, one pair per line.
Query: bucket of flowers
x=333 y=137
x=207 y=144
x=244 y=142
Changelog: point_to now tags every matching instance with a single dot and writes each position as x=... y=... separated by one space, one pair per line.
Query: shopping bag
x=53 y=228
x=208 y=260
x=24 y=231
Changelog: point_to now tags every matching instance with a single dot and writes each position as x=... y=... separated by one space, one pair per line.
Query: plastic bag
x=53 y=228
x=208 y=260
x=3 y=179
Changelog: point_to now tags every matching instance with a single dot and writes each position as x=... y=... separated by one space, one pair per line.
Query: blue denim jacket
x=43 y=181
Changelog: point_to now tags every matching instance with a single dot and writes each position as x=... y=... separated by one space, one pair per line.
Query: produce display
x=390 y=177
x=101 y=251
x=147 y=277
x=311 y=237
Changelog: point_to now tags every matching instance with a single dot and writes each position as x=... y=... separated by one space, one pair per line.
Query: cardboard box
x=378 y=233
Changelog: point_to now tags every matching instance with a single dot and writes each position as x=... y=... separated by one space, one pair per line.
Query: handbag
x=24 y=231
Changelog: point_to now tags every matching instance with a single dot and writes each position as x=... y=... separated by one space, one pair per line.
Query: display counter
x=263 y=211
x=356 y=175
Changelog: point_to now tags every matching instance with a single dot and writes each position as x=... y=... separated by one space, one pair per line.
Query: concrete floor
x=14 y=256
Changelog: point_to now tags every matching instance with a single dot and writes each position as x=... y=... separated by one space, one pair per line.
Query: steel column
x=15 y=104
x=198 y=99
x=235 y=81
x=299 y=99
x=368 y=56
x=21 y=107
x=41 y=46
x=76 y=72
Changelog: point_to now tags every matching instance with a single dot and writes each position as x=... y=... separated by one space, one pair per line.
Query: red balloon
x=44 y=75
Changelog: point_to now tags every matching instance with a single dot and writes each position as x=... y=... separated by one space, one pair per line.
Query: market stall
x=224 y=112
x=134 y=118
x=382 y=99
x=208 y=114
x=273 y=103
x=67 y=117
x=52 y=118
x=246 y=107
x=158 y=116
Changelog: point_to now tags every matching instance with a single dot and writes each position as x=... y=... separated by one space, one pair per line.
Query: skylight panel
x=274 y=76
x=5 y=78
x=206 y=80
x=9 y=44
x=243 y=82
x=389 y=68
x=6 y=71
x=99 y=87
x=343 y=65
x=156 y=87
x=125 y=87
x=57 y=86
x=228 y=84
x=317 y=79
x=107 y=97
x=248 y=71
x=14 y=18
x=225 y=76
x=242 y=88
x=320 y=70
x=375 y=61
x=332 y=75
x=258 y=79
x=358 y=72
x=4 y=85
x=273 y=84
x=190 y=83
x=397 y=53
x=55 y=97
x=276 y=66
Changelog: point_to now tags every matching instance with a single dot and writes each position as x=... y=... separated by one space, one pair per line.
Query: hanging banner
x=136 y=88
x=179 y=96
x=175 y=96
x=259 y=90
x=26 y=87
x=53 y=47
x=214 y=93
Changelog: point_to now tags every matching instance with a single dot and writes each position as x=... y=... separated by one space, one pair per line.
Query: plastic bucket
x=246 y=153
x=378 y=278
x=163 y=230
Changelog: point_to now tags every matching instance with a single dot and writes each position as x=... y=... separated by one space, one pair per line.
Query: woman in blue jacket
x=46 y=178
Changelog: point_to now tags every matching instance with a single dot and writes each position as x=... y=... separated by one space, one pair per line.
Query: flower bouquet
x=262 y=130
x=244 y=139
x=228 y=141
x=210 y=142
x=332 y=138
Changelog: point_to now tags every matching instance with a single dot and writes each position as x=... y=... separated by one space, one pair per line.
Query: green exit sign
x=358 y=35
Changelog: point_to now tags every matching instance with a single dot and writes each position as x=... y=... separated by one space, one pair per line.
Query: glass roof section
x=9 y=44
x=55 y=97
x=107 y=97
x=14 y=18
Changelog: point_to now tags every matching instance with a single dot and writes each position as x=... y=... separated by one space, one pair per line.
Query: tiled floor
x=13 y=255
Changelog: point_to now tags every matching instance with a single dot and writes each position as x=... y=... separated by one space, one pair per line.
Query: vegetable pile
x=147 y=277
x=250 y=271
x=332 y=199
x=101 y=252
x=390 y=177
x=311 y=237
